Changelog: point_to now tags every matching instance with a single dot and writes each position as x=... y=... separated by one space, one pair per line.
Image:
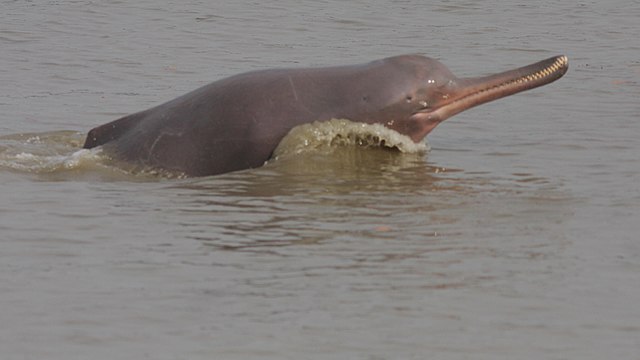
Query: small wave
x=45 y=152
x=341 y=132
x=59 y=155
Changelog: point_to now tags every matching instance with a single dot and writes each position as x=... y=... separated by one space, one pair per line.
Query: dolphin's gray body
x=237 y=122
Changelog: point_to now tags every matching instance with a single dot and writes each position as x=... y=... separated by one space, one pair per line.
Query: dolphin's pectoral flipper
x=103 y=134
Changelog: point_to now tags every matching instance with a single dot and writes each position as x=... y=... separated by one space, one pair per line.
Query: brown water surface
x=516 y=237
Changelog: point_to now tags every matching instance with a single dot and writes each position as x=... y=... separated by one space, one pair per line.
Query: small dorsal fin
x=110 y=131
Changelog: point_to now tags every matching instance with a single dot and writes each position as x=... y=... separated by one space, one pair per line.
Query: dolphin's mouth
x=470 y=92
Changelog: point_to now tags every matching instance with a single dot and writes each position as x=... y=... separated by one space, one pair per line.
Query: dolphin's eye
x=409 y=98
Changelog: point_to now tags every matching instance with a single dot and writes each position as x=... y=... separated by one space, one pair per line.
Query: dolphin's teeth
x=548 y=71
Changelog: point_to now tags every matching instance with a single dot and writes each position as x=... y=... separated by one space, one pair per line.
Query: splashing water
x=341 y=132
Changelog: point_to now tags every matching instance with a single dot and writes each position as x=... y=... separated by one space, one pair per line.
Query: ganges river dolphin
x=237 y=122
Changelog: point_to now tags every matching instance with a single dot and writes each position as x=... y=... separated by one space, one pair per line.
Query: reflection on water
x=355 y=193
x=292 y=200
x=332 y=192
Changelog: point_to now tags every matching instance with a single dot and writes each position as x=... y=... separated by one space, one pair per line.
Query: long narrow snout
x=470 y=92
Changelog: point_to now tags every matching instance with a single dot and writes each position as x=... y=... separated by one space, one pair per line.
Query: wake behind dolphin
x=236 y=123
